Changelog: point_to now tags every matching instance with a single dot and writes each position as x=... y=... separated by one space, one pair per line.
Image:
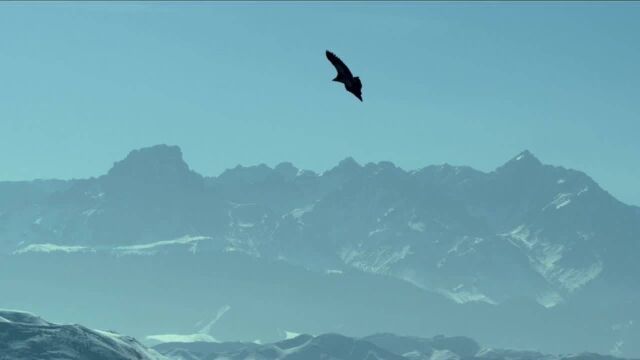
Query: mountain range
x=528 y=255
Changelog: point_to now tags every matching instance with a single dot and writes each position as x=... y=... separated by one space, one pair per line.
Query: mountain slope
x=450 y=229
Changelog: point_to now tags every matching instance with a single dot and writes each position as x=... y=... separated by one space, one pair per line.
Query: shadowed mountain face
x=525 y=236
x=151 y=195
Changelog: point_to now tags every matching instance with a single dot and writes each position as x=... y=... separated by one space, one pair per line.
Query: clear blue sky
x=462 y=83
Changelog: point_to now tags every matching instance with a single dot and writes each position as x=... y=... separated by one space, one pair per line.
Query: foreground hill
x=24 y=336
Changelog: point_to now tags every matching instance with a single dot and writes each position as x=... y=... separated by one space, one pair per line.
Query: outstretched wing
x=343 y=70
x=357 y=88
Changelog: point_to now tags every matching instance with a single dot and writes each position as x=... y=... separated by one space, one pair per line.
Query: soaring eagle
x=351 y=83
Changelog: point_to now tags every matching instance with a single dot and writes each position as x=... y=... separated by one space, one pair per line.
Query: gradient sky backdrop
x=462 y=83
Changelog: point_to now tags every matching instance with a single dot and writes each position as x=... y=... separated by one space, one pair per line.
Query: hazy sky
x=462 y=83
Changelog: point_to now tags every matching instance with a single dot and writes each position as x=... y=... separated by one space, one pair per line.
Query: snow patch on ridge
x=563 y=199
x=50 y=248
x=377 y=231
x=290 y=335
x=545 y=258
x=616 y=350
x=522 y=235
x=333 y=272
x=377 y=261
x=90 y=212
x=549 y=299
x=165 y=338
x=201 y=336
x=573 y=279
x=151 y=248
x=462 y=296
x=416 y=226
x=444 y=355
x=298 y=213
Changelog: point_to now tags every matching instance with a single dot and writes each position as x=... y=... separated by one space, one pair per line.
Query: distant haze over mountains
x=528 y=255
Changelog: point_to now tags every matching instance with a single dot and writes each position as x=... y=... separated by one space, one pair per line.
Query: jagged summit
x=521 y=162
x=348 y=163
x=287 y=170
x=151 y=162
x=346 y=166
x=526 y=157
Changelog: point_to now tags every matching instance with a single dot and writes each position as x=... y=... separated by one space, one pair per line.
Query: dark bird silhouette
x=351 y=83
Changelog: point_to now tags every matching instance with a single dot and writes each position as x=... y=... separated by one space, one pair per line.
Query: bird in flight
x=351 y=83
